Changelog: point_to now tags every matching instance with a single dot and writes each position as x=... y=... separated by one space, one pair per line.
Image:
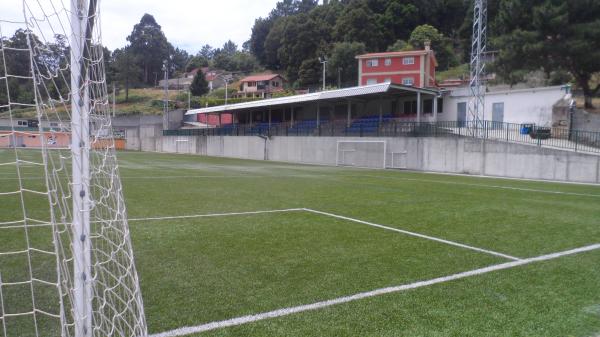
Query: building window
x=408 y=60
x=372 y=63
x=251 y=84
x=388 y=62
x=22 y=123
x=410 y=107
x=388 y=80
x=440 y=107
x=408 y=81
x=428 y=106
x=275 y=83
x=371 y=81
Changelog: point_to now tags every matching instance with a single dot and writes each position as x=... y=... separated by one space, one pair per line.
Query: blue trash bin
x=526 y=129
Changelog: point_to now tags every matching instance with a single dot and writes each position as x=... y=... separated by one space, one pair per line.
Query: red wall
x=213 y=119
x=397 y=79
x=394 y=67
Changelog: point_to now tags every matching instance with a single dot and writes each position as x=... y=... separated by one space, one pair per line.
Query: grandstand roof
x=346 y=93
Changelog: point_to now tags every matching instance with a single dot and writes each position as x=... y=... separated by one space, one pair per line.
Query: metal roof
x=262 y=77
x=381 y=88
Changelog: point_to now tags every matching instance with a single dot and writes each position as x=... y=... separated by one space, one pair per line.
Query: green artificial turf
x=198 y=270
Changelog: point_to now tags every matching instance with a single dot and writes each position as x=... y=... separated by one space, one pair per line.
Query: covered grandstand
x=358 y=108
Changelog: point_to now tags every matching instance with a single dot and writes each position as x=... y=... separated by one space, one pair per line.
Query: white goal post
x=361 y=153
x=69 y=268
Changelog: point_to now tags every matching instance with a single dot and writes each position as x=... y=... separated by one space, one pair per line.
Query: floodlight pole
x=82 y=25
x=324 y=62
x=477 y=68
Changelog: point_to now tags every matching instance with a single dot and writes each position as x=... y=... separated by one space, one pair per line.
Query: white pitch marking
x=377 y=292
x=218 y=214
x=423 y=236
x=488 y=186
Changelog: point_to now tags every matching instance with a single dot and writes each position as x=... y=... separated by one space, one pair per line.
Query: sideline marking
x=217 y=214
x=525 y=189
x=422 y=236
x=377 y=292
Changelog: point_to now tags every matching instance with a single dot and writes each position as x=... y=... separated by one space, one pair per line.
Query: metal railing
x=555 y=137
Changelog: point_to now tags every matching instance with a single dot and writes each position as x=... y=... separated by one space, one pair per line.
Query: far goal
x=361 y=153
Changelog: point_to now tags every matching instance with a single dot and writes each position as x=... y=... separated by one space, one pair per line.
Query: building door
x=461 y=117
x=497 y=115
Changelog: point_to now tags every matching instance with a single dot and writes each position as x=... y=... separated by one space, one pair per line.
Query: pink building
x=411 y=68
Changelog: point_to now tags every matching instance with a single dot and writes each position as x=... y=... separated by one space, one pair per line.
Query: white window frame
x=22 y=123
x=408 y=81
x=408 y=60
x=388 y=62
x=372 y=63
x=371 y=81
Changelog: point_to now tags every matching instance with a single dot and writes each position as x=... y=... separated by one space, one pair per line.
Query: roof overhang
x=383 y=89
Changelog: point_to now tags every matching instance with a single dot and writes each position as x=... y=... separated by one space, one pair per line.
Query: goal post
x=69 y=270
x=361 y=153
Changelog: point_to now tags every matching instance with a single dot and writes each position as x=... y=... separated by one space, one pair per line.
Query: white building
x=531 y=105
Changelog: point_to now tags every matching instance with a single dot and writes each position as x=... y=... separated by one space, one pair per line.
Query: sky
x=188 y=24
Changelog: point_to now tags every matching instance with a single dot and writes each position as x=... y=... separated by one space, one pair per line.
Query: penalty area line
x=377 y=292
x=422 y=236
x=217 y=214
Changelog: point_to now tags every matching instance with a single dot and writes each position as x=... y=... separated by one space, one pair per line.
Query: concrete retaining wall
x=448 y=155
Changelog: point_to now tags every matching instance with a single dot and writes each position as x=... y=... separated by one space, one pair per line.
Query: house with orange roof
x=261 y=86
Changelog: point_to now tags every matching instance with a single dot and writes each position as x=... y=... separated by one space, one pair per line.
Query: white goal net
x=361 y=153
x=66 y=260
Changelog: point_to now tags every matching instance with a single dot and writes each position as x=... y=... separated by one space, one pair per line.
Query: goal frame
x=337 y=151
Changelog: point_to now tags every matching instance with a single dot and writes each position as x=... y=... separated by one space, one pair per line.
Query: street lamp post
x=324 y=61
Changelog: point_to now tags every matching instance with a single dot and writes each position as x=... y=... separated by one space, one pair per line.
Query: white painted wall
x=533 y=105
x=450 y=155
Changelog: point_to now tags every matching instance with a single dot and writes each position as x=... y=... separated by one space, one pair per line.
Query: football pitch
x=228 y=247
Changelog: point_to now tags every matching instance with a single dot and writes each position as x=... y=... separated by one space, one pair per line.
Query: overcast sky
x=188 y=24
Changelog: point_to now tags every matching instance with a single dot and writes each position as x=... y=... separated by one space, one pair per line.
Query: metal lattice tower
x=478 y=49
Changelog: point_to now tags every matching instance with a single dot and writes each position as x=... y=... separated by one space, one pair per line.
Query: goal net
x=66 y=260
x=361 y=153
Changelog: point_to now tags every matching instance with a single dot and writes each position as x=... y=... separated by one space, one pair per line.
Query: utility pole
x=189 y=99
x=166 y=101
x=324 y=62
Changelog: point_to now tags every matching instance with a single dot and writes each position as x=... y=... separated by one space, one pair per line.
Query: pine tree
x=199 y=85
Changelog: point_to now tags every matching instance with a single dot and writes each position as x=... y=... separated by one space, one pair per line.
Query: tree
x=439 y=43
x=400 y=45
x=260 y=30
x=126 y=69
x=308 y=73
x=229 y=48
x=551 y=35
x=343 y=59
x=358 y=23
x=424 y=33
x=206 y=52
x=149 y=44
x=179 y=59
x=199 y=85
x=196 y=62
